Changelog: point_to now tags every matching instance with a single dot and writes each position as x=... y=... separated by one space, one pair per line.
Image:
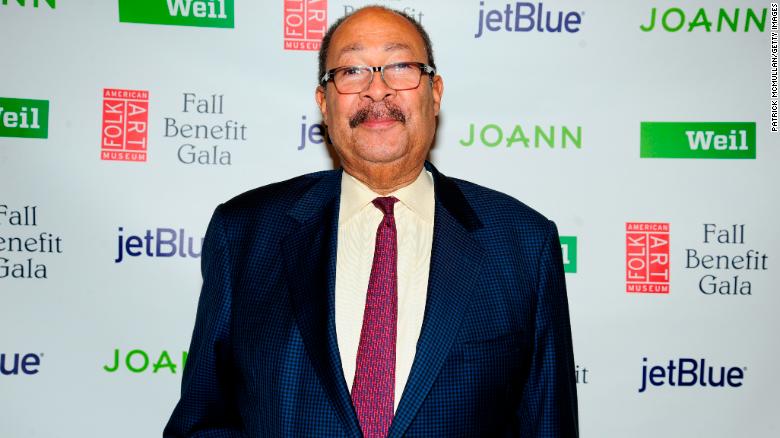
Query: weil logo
x=569 y=250
x=201 y=13
x=698 y=140
x=26 y=118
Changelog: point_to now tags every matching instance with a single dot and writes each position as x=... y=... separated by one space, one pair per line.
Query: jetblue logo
x=527 y=17
x=313 y=133
x=159 y=242
x=690 y=372
x=16 y=364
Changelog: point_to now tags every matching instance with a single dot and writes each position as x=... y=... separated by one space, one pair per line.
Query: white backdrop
x=59 y=335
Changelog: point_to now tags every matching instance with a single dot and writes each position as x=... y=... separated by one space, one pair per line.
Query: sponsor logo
x=159 y=242
x=685 y=372
x=16 y=364
x=20 y=253
x=35 y=3
x=205 y=108
x=527 y=17
x=773 y=47
x=411 y=11
x=720 y=20
x=305 y=23
x=647 y=257
x=493 y=135
x=139 y=361
x=581 y=374
x=125 y=125
x=569 y=249
x=717 y=264
x=25 y=118
x=697 y=140
x=201 y=13
x=314 y=133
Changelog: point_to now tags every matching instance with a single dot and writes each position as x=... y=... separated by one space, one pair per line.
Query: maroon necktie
x=374 y=384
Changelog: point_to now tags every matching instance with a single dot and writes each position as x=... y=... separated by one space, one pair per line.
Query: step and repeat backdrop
x=647 y=131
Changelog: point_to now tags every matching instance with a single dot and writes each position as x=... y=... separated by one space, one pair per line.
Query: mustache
x=377 y=111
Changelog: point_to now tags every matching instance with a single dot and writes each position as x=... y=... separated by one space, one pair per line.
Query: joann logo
x=305 y=23
x=201 y=13
x=19 y=364
x=34 y=3
x=676 y=19
x=698 y=140
x=125 y=125
x=139 y=361
x=527 y=17
x=493 y=135
x=569 y=250
x=685 y=372
x=160 y=242
x=647 y=257
x=26 y=118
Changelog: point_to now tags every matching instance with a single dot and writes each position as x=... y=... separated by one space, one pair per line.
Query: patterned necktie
x=374 y=385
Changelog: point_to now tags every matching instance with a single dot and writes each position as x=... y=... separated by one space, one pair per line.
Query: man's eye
x=401 y=66
x=352 y=71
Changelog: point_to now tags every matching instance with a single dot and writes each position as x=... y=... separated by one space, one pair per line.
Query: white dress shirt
x=358 y=222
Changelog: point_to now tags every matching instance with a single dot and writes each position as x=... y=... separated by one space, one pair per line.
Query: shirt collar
x=417 y=196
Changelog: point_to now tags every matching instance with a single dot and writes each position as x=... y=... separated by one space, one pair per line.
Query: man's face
x=379 y=126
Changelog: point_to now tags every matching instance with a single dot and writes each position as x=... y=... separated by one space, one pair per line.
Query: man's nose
x=377 y=90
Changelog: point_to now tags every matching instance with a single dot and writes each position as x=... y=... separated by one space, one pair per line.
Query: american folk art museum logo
x=305 y=23
x=647 y=257
x=125 y=129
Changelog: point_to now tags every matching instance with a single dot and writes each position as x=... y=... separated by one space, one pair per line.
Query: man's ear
x=437 y=88
x=319 y=96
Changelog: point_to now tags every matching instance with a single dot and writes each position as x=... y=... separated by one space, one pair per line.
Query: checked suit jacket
x=494 y=356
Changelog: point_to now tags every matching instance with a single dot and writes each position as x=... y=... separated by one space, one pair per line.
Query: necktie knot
x=385 y=203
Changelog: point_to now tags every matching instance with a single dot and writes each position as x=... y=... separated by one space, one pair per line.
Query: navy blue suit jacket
x=494 y=357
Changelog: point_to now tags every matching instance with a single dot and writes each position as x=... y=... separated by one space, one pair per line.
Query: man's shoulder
x=495 y=208
x=275 y=197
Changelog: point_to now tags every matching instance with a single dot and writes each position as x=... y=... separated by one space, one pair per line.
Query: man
x=385 y=299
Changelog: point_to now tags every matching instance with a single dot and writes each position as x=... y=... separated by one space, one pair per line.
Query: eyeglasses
x=357 y=78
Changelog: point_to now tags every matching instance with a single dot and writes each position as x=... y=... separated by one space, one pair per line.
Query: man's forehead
x=387 y=47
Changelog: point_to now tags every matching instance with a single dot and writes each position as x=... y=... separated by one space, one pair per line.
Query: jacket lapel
x=455 y=265
x=310 y=258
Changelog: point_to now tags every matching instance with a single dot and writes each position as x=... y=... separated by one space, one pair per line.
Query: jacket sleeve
x=548 y=406
x=208 y=407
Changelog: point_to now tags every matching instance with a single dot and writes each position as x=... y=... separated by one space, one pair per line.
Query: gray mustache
x=377 y=111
